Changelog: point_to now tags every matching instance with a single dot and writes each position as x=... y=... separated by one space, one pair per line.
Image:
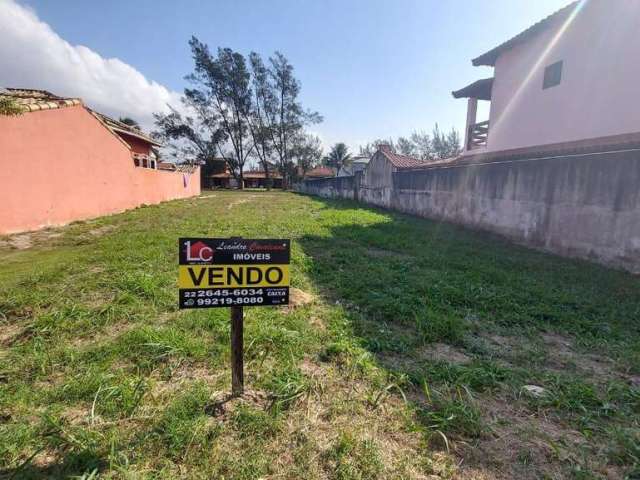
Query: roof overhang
x=489 y=58
x=480 y=89
x=140 y=136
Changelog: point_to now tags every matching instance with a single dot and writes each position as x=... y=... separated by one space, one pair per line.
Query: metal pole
x=237 y=361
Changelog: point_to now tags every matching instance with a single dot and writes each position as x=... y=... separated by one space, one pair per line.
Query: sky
x=372 y=68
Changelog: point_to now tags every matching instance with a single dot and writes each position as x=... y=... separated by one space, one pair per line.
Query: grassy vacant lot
x=410 y=361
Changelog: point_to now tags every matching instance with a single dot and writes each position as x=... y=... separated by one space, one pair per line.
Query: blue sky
x=372 y=68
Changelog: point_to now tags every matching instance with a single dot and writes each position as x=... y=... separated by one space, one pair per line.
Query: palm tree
x=338 y=157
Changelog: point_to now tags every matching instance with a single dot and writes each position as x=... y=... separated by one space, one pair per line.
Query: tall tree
x=338 y=157
x=417 y=145
x=422 y=145
x=285 y=114
x=370 y=148
x=238 y=110
x=258 y=119
x=306 y=152
x=193 y=138
x=445 y=145
x=406 y=147
x=453 y=141
x=222 y=84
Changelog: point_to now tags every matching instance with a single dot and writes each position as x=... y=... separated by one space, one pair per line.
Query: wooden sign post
x=237 y=273
x=237 y=353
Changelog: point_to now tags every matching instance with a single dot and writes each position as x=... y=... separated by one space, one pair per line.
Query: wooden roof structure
x=480 y=89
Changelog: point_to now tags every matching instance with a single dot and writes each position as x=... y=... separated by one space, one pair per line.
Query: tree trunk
x=266 y=176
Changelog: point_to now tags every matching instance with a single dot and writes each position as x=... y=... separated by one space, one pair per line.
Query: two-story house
x=566 y=84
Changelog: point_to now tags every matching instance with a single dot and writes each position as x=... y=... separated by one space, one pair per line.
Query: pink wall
x=599 y=90
x=61 y=165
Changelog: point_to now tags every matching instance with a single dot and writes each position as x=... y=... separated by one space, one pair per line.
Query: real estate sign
x=223 y=272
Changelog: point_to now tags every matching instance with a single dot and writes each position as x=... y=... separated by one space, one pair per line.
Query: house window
x=552 y=75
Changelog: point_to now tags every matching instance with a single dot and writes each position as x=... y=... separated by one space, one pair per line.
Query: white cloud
x=32 y=55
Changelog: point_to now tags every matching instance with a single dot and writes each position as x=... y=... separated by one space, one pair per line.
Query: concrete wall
x=586 y=206
x=61 y=165
x=338 y=187
x=596 y=97
x=376 y=183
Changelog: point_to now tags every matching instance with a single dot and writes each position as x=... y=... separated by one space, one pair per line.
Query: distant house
x=61 y=161
x=378 y=175
x=357 y=164
x=257 y=178
x=216 y=173
x=320 y=172
x=568 y=82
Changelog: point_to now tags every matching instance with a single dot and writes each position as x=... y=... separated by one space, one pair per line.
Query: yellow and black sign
x=217 y=272
x=233 y=276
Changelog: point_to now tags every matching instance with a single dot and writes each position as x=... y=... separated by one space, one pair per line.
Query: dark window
x=552 y=75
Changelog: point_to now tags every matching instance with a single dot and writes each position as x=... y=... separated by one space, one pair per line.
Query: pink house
x=61 y=162
x=568 y=82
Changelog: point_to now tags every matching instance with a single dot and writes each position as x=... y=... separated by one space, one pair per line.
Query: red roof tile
x=321 y=172
x=34 y=100
x=399 y=161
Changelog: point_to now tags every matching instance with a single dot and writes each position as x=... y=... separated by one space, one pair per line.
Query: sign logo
x=198 y=252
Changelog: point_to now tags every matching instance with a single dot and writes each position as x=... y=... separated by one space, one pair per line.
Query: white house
x=357 y=164
x=570 y=80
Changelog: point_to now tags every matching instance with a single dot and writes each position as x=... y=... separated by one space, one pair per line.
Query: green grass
x=410 y=362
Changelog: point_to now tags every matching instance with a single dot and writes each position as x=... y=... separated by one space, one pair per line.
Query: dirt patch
x=553 y=352
x=505 y=343
x=238 y=202
x=519 y=445
x=561 y=356
x=317 y=322
x=442 y=352
x=247 y=199
x=45 y=459
x=223 y=405
x=12 y=333
x=203 y=197
x=100 y=231
x=297 y=299
x=24 y=241
x=333 y=407
x=104 y=335
x=53 y=380
x=434 y=352
x=77 y=415
x=311 y=369
x=21 y=242
x=183 y=375
x=8 y=332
